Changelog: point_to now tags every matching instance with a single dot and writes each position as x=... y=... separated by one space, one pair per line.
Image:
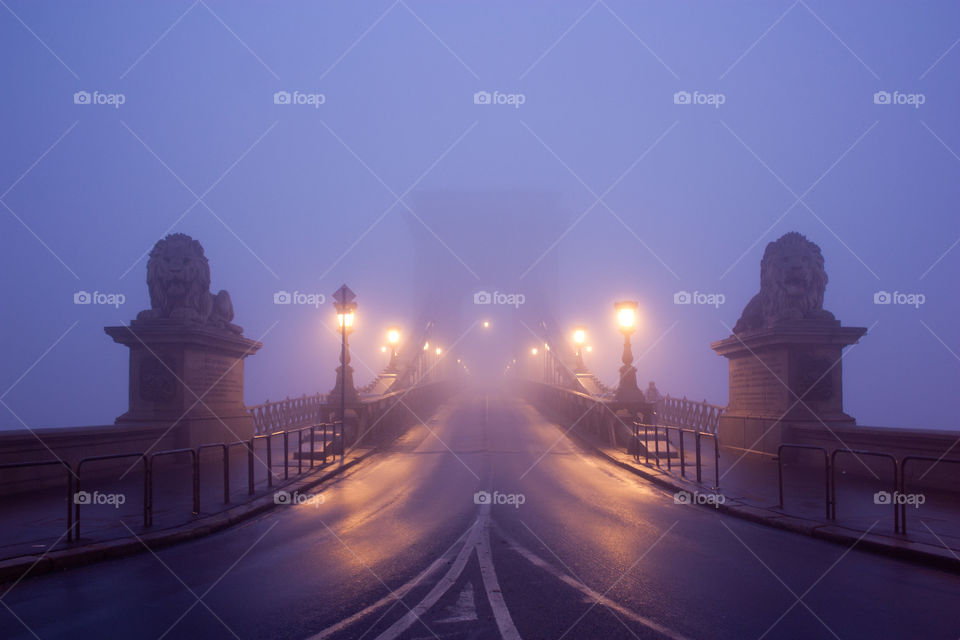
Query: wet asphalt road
x=571 y=547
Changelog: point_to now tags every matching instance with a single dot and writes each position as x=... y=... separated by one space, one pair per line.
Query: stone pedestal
x=770 y=368
x=172 y=364
x=627 y=390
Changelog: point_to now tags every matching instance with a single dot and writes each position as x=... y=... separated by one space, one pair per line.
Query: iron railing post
x=666 y=435
x=147 y=492
x=226 y=474
x=646 y=444
x=70 y=533
x=196 y=483
x=250 y=470
x=696 y=444
x=716 y=462
x=270 y=461
x=683 y=458
x=656 y=443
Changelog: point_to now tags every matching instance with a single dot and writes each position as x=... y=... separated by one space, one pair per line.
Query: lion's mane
x=178 y=278
x=792 y=284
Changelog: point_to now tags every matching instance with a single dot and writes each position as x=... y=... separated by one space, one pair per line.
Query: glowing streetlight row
x=626 y=314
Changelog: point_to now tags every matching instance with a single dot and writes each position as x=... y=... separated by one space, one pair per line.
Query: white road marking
x=444 y=585
x=393 y=596
x=477 y=539
x=490 y=584
x=464 y=609
x=587 y=591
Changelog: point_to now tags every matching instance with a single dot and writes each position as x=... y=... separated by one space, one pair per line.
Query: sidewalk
x=748 y=484
x=34 y=524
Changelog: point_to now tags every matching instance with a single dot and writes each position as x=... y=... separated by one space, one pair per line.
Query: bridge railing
x=640 y=447
x=368 y=423
x=601 y=418
x=548 y=368
x=424 y=365
x=286 y=414
x=680 y=412
x=196 y=464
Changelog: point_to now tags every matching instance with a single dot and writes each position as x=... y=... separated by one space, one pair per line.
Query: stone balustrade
x=680 y=412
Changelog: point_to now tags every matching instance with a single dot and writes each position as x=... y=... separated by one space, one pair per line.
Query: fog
x=587 y=178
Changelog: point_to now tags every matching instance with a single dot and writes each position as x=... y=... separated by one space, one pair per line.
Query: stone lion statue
x=178 y=276
x=792 y=282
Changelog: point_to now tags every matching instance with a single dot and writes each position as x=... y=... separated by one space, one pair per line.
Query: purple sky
x=403 y=187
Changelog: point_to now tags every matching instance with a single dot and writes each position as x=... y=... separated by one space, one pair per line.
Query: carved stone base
x=627 y=389
x=187 y=376
x=344 y=381
x=771 y=368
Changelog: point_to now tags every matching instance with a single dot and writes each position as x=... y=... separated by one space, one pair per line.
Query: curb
x=15 y=569
x=918 y=552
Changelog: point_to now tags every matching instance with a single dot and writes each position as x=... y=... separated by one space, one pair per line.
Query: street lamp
x=393 y=337
x=627 y=389
x=579 y=337
x=436 y=364
x=343 y=301
x=486 y=324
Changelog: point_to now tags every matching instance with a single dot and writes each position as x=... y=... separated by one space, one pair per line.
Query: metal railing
x=195 y=478
x=382 y=416
x=826 y=472
x=70 y=477
x=75 y=487
x=701 y=416
x=147 y=486
x=268 y=439
x=899 y=483
x=860 y=452
x=903 y=484
x=682 y=454
x=285 y=414
x=225 y=450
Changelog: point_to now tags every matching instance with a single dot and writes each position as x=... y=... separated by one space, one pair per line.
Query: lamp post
x=627 y=390
x=579 y=337
x=393 y=337
x=346 y=309
x=546 y=362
